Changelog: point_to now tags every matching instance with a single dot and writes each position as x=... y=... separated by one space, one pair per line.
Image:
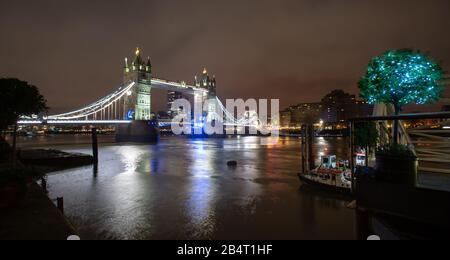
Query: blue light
x=130 y=114
x=199 y=125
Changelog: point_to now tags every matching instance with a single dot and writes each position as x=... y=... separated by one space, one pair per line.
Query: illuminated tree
x=402 y=77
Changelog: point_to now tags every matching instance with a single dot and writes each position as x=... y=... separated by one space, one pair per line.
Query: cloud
x=77 y=47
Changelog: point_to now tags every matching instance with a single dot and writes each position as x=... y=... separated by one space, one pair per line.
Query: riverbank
x=36 y=218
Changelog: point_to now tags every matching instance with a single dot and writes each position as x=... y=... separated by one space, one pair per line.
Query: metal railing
x=430 y=142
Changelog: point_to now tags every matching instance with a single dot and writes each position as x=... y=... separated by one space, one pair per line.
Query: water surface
x=183 y=189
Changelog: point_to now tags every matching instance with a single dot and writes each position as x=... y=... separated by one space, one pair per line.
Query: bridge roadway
x=174 y=86
x=161 y=123
x=74 y=122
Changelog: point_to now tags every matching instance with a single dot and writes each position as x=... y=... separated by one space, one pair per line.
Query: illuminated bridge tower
x=138 y=101
x=137 y=104
x=208 y=83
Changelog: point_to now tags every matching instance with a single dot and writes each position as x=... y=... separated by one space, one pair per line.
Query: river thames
x=182 y=188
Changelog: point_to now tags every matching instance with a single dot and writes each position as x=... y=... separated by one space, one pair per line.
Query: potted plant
x=399 y=78
x=396 y=164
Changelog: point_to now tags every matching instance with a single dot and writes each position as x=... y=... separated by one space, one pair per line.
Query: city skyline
x=301 y=53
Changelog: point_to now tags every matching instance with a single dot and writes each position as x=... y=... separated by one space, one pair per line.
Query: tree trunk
x=310 y=140
x=396 y=124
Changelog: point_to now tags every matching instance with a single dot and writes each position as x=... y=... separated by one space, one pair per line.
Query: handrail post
x=304 y=150
x=95 y=145
x=310 y=136
x=352 y=153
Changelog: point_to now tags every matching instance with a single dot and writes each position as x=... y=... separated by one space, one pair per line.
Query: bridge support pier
x=138 y=132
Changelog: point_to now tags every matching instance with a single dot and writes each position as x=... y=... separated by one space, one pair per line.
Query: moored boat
x=331 y=175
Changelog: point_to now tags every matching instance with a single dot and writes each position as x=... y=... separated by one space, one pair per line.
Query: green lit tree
x=402 y=77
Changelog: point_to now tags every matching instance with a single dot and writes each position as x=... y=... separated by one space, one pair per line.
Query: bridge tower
x=138 y=100
x=208 y=83
x=137 y=103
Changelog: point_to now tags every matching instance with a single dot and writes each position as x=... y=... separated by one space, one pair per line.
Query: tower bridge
x=130 y=107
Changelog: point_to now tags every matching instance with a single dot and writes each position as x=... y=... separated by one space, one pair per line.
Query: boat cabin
x=329 y=162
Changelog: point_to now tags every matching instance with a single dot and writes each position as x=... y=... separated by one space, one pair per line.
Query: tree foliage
x=18 y=98
x=366 y=134
x=402 y=77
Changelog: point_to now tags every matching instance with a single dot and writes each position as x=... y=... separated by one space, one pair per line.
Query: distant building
x=171 y=97
x=285 y=118
x=446 y=80
x=339 y=107
x=334 y=110
x=306 y=113
x=446 y=83
x=296 y=116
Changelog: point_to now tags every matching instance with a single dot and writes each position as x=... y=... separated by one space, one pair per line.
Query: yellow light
x=137 y=51
x=205 y=71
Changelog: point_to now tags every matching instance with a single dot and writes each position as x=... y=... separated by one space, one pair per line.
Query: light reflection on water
x=183 y=189
x=202 y=191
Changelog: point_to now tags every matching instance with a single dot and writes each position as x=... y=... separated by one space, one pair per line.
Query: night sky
x=293 y=50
